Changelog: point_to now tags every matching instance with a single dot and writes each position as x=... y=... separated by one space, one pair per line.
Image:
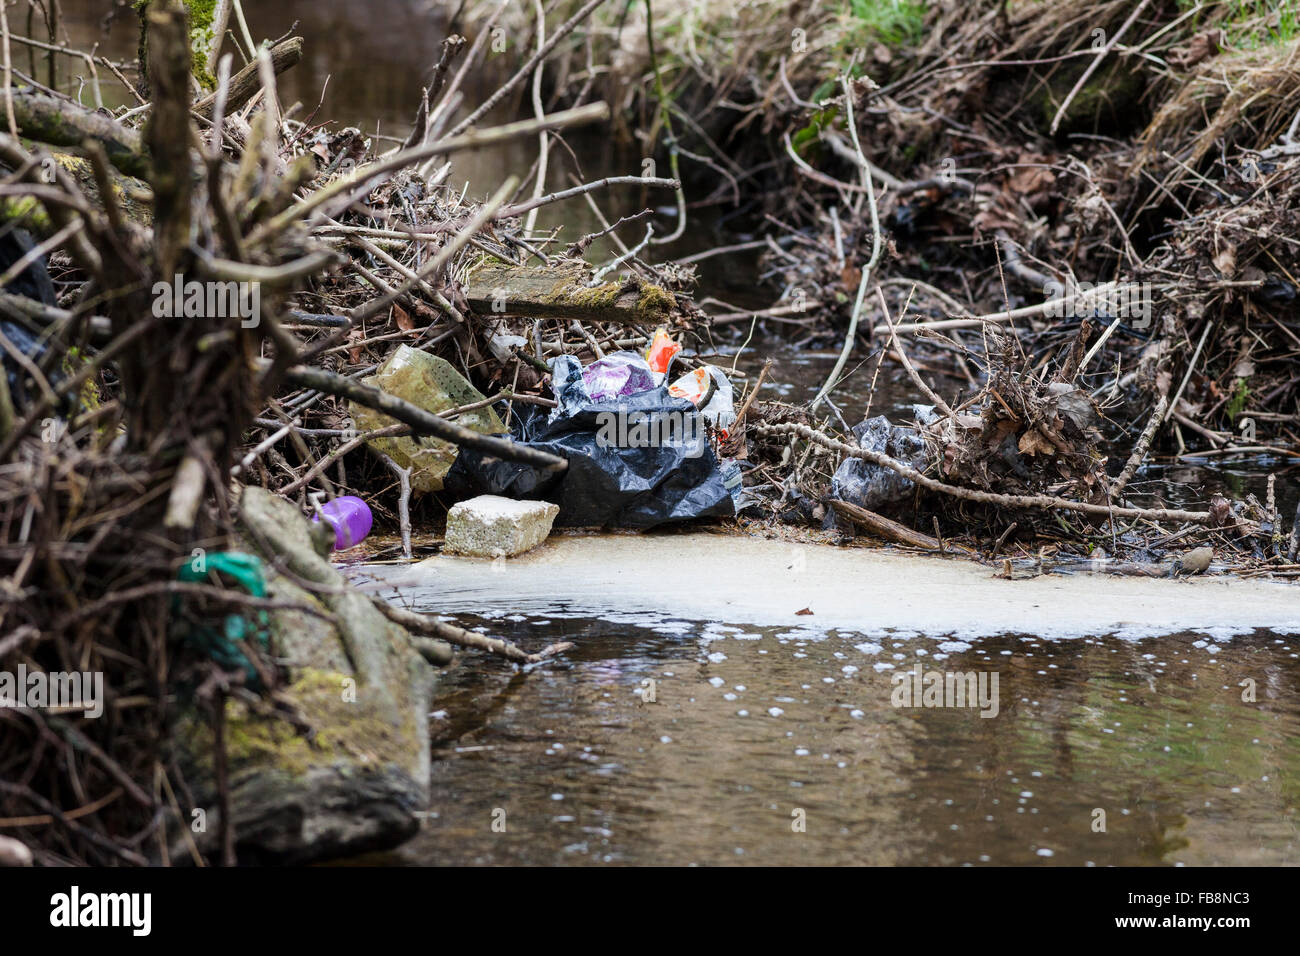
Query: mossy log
x=560 y=291
x=62 y=123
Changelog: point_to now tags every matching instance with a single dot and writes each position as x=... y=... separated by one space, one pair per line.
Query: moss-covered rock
x=431 y=383
x=351 y=771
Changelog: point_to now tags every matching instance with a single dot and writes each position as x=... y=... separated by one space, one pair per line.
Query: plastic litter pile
x=641 y=447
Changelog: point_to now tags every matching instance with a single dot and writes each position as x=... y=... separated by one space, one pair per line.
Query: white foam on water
x=867 y=595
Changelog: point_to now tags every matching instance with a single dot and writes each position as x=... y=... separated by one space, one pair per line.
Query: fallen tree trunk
x=560 y=291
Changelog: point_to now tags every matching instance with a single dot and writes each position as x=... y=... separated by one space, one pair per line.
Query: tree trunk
x=208 y=20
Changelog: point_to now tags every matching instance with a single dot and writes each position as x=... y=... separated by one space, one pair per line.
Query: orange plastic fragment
x=660 y=351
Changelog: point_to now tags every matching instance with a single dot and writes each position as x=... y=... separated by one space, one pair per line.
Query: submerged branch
x=423 y=624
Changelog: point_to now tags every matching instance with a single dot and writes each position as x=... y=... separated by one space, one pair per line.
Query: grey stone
x=1196 y=561
x=490 y=526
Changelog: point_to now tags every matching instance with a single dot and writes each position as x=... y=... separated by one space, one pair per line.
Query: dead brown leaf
x=402 y=318
x=1225 y=260
x=1200 y=47
x=1032 y=442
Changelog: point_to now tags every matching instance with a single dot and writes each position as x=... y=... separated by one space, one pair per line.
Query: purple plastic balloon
x=350 y=518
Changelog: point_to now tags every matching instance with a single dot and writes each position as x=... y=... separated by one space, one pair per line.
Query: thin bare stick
x=526 y=70
x=485 y=214
x=984 y=497
x=1293 y=544
x=591 y=113
x=543 y=139
x=1092 y=67
x=912 y=373
x=403 y=501
x=1191 y=367
x=422 y=422
x=1007 y=315
x=665 y=117
x=864 y=172
x=1139 y=450
x=336 y=454
x=530 y=204
x=753 y=392
x=37 y=252
x=8 y=71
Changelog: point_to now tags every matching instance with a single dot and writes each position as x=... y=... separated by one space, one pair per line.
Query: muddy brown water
x=733 y=701
x=770 y=743
x=1150 y=732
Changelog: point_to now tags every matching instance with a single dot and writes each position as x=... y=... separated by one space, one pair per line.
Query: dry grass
x=1246 y=99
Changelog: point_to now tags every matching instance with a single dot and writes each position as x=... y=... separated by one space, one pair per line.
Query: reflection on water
x=749 y=726
x=798 y=374
x=376 y=54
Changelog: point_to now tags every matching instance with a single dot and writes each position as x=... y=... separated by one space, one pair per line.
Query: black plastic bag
x=607 y=483
x=33 y=282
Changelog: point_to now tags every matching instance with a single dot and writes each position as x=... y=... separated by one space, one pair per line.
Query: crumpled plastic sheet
x=875 y=487
x=617 y=374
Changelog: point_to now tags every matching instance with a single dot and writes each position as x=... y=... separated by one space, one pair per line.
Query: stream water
x=1121 y=737
x=724 y=689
